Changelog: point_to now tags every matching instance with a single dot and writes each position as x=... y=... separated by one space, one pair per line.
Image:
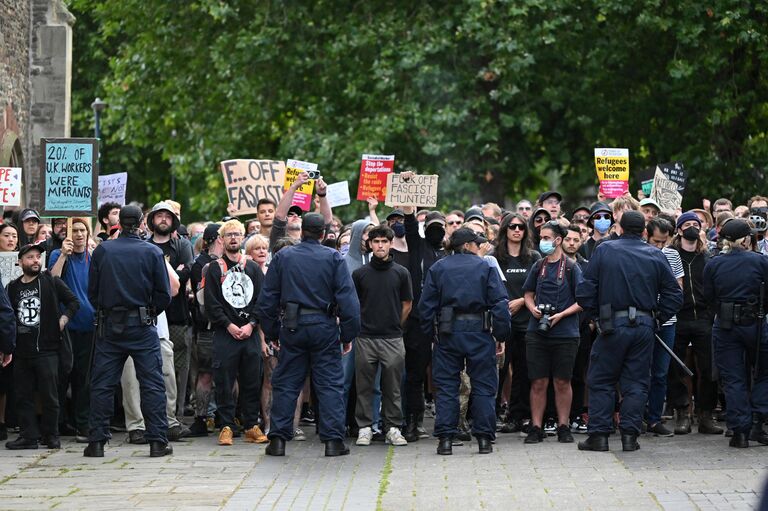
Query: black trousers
x=41 y=374
x=697 y=333
x=241 y=361
x=519 y=407
x=418 y=354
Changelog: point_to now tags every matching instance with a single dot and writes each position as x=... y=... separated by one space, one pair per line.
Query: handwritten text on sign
x=612 y=167
x=10 y=186
x=418 y=191
x=373 y=176
x=303 y=196
x=70 y=171
x=112 y=188
x=248 y=181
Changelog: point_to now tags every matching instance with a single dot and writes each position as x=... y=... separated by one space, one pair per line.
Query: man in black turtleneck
x=384 y=289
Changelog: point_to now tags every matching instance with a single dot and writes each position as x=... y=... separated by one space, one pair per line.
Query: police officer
x=306 y=288
x=128 y=286
x=735 y=284
x=467 y=297
x=629 y=288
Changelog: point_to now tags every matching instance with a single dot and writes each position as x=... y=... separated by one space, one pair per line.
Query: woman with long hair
x=516 y=256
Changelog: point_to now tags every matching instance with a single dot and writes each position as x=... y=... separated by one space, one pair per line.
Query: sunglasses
x=604 y=216
x=516 y=227
x=539 y=220
x=580 y=217
x=455 y=222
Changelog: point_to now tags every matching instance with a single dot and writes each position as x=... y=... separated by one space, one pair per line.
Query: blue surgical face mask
x=546 y=247
x=344 y=249
x=602 y=225
x=399 y=229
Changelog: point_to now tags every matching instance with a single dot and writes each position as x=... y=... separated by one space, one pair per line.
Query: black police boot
x=595 y=442
x=682 y=421
x=52 y=442
x=629 y=442
x=707 y=424
x=411 y=433
x=158 y=449
x=739 y=440
x=21 y=443
x=758 y=434
x=276 y=447
x=94 y=450
x=420 y=425
x=445 y=446
x=136 y=437
x=484 y=445
x=336 y=448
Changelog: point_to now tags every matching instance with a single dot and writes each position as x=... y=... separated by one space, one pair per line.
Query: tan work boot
x=255 y=436
x=225 y=436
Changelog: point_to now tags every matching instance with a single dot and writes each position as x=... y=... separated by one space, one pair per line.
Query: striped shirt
x=673 y=258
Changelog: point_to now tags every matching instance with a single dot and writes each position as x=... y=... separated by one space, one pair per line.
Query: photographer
x=553 y=332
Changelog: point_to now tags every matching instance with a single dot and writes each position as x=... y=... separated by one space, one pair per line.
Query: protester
x=109 y=219
x=385 y=293
x=37 y=298
x=524 y=208
x=43 y=232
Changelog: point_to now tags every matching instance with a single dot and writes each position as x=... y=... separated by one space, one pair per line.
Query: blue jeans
x=659 y=369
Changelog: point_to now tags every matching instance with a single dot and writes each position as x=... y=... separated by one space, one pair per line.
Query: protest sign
x=675 y=171
x=70 y=176
x=10 y=186
x=9 y=266
x=665 y=192
x=647 y=187
x=248 y=181
x=338 y=194
x=373 y=176
x=612 y=167
x=303 y=196
x=418 y=191
x=112 y=188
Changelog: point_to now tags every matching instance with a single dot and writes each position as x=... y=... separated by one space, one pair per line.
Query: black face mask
x=691 y=233
x=434 y=235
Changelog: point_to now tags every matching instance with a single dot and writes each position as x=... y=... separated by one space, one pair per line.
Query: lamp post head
x=98 y=105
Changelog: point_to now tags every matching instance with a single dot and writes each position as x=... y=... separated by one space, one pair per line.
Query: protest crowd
x=539 y=323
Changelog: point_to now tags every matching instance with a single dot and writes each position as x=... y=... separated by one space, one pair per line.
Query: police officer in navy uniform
x=735 y=283
x=628 y=287
x=128 y=286
x=306 y=288
x=468 y=299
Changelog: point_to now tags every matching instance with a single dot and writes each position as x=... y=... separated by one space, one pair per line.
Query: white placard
x=338 y=194
x=112 y=188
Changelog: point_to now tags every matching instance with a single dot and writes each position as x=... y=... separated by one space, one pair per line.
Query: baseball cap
x=395 y=212
x=211 y=232
x=650 y=202
x=735 y=229
x=433 y=217
x=313 y=222
x=295 y=209
x=465 y=235
x=29 y=214
x=40 y=247
x=551 y=193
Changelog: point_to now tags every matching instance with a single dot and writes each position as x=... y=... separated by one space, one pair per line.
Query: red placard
x=373 y=176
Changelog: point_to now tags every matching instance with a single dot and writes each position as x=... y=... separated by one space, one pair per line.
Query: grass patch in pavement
x=385 y=472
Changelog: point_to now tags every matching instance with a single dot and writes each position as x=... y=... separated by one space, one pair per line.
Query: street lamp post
x=98 y=106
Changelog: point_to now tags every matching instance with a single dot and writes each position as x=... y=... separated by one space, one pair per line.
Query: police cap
x=632 y=222
x=735 y=229
x=313 y=222
x=465 y=235
x=130 y=216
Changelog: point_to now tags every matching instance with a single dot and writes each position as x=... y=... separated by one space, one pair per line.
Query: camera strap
x=543 y=274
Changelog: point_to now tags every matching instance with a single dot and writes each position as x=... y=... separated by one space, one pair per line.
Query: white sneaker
x=395 y=437
x=364 y=436
x=299 y=435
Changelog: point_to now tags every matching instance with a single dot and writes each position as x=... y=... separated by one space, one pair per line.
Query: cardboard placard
x=647 y=187
x=70 y=170
x=248 y=181
x=612 y=165
x=419 y=191
x=374 y=170
x=665 y=192
x=303 y=196
x=675 y=171
x=338 y=194
x=10 y=186
x=112 y=188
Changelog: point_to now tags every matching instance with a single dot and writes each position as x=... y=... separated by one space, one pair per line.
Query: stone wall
x=14 y=76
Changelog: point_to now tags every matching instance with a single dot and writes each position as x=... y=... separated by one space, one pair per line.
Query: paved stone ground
x=681 y=473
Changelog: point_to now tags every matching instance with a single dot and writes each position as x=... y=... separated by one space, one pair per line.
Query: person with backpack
x=213 y=249
x=231 y=287
x=552 y=338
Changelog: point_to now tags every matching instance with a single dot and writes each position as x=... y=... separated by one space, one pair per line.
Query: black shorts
x=204 y=350
x=550 y=356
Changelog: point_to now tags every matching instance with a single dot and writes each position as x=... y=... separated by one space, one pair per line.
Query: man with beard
x=572 y=244
x=163 y=222
x=59 y=234
x=36 y=299
x=422 y=254
x=129 y=285
x=232 y=284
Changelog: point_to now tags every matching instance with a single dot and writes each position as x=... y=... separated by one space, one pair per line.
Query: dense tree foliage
x=501 y=98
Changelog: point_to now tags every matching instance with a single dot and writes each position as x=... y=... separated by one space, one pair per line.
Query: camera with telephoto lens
x=545 y=321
